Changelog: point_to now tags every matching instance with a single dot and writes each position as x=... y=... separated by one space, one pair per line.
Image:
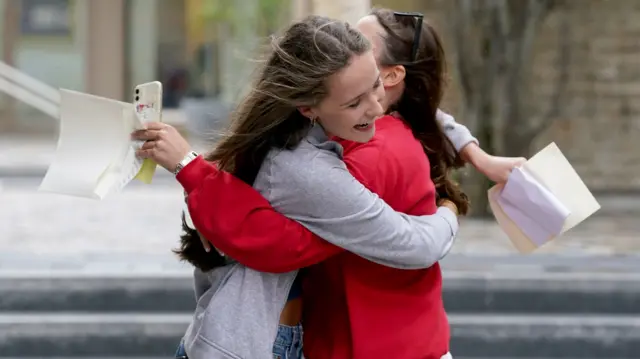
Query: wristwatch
x=185 y=161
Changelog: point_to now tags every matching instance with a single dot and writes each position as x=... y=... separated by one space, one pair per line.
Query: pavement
x=134 y=231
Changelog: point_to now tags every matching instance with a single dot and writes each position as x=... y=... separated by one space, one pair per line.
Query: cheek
x=344 y=120
x=341 y=123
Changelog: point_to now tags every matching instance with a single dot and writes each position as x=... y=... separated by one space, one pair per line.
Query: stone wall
x=599 y=130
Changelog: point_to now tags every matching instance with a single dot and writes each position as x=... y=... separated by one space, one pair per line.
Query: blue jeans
x=288 y=344
x=180 y=353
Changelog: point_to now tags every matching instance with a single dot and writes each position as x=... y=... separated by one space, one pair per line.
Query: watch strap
x=192 y=155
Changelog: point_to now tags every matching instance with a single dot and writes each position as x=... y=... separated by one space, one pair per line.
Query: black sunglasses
x=418 y=17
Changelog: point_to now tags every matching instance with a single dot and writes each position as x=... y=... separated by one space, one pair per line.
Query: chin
x=363 y=136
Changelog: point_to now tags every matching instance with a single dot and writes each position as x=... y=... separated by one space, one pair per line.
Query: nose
x=376 y=109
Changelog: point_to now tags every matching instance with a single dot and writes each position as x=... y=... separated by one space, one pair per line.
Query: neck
x=392 y=96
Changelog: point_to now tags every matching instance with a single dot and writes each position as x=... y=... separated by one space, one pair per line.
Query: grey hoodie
x=238 y=308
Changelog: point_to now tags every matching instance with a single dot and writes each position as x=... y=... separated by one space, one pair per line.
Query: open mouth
x=362 y=126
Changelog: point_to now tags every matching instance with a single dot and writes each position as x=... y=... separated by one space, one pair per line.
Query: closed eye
x=356 y=103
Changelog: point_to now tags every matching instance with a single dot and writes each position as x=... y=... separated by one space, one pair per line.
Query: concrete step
x=91 y=335
x=614 y=293
x=545 y=336
x=166 y=294
x=473 y=336
x=463 y=293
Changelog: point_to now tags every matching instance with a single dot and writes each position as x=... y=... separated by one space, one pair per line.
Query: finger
x=146 y=153
x=156 y=126
x=146 y=135
x=205 y=244
x=518 y=162
x=148 y=145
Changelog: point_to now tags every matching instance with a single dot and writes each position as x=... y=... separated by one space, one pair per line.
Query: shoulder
x=301 y=185
x=286 y=173
x=362 y=160
x=302 y=162
x=378 y=161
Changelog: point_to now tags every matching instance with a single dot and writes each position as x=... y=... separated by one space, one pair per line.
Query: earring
x=313 y=120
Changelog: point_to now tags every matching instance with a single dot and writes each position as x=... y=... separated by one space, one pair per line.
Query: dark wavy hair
x=425 y=82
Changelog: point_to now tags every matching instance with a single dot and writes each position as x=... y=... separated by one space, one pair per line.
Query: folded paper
x=535 y=210
x=541 y=200
x=95 y=155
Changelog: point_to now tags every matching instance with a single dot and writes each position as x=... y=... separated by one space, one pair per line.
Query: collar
x=319 y=139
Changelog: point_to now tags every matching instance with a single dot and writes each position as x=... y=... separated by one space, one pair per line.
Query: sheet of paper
x=553 y=171
x=95 y=155
x=125 y=167
x=148 y=168
x=534 y=209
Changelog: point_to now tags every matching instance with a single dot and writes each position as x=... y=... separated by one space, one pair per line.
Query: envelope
x=541 y=200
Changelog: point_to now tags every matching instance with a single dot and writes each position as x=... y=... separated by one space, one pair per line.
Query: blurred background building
x=199 y=49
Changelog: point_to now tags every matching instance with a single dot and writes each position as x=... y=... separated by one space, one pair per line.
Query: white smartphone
x=147 y=99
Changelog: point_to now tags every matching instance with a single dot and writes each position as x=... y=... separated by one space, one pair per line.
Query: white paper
x=552 y=170
x=95 y=154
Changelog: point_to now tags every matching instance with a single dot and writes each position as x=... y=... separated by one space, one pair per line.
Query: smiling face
x=352 y=105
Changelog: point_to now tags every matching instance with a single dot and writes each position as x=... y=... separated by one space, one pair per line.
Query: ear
x=393 y=75
x=307 y=112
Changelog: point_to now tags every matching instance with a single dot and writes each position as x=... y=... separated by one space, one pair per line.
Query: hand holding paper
x=163 y=144
x=95 y=154
x=541 y=200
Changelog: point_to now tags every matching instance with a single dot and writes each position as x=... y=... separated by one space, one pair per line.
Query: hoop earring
x=313 y=120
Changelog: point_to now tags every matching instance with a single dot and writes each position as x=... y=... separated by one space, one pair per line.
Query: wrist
x=474 y=155
x=188 y=158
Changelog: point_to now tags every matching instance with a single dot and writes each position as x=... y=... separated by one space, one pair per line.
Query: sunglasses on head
x=416 y=20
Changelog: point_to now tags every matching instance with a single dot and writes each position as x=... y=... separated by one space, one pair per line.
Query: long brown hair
x=294 y=75
x=424 y=89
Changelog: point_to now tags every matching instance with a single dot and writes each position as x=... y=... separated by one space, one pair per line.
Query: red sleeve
x=241 y=223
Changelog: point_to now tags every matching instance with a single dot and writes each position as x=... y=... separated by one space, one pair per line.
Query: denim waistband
x=288 y=335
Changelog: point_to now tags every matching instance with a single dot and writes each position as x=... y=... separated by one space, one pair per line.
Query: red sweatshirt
x=353 y=308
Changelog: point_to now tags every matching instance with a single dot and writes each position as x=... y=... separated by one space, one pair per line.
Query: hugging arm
x=242 y=223
x=332 y=203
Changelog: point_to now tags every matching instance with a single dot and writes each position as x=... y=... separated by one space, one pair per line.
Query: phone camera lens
x=137 y=98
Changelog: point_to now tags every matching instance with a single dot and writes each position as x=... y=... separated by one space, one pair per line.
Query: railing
x=46 y=98
x=29 y=90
